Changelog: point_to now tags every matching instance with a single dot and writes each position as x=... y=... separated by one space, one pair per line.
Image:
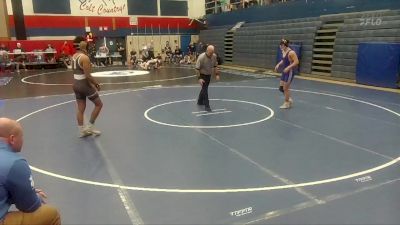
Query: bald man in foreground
x=16 y=183
x=206 y=65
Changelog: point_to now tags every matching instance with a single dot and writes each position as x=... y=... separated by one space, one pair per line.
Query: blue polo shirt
x=16 y=183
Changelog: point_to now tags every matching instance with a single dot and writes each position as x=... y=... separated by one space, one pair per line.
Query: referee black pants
x=203 y=96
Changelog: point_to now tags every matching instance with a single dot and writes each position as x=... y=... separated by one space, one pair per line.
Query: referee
x=206 y=65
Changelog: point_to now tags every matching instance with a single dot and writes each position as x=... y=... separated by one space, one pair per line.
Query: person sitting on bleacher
x=19 y=57
x=192 y=52
x=66 y=53
x=151 y=63
x=177 y=55
x=159 y=61
x=144 y=58
x=133 y=60
x=50 y=54
x=3 y=57
x=150 y=47
x=168 y=53
x=148 y=63
x=185 y=60
x=103 y=53
x=122 y=52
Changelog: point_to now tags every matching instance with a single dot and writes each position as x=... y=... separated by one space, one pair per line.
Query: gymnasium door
x=185 y=41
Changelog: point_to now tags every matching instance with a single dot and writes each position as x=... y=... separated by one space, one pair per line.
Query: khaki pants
x=45 y=215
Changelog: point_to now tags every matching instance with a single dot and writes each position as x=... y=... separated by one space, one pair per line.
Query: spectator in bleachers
x=178 y=55
x=245 y=4
x=159 y=60
x=225 y=5
x=168 y=52
x=3 y=47
x=235 y=4
x=163 y=55
x=192 y=48
x=186 y=60
x=199 y=48
x=19 y=57
x=121 y=50
x=192 y=52
x=133 y=59
x=145 y=52
x=150 y=48
x=103 y=54
x=3 y=57
x=104 y=50
x=147 y=63
x=50 y=54
x=66 y=53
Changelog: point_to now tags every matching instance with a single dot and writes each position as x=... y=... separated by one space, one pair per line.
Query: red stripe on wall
x=183 y=23
x=122 y=22
x=100 y=22
x=54 y=21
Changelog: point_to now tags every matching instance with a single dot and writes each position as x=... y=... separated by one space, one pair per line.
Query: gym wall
x=49 y=19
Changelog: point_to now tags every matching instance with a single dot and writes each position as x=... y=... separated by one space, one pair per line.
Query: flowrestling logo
x=371 y=20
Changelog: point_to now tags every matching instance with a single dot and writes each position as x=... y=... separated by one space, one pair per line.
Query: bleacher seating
x=256 y=44
x=215 y=37
x=382 y=26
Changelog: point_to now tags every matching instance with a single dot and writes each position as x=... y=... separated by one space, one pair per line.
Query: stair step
x=332 y=25
x=327 y=31
x=320 y=73
x=321 y=68
x=325 y=37
x=322 y=56
x=323 y=49
x=322 y=62
x=324 y=43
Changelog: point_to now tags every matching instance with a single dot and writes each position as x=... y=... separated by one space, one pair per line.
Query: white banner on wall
x=112 y=8
x=83 y=7
x=99 y=7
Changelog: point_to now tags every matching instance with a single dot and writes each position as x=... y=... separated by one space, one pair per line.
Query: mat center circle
x=225 y=113
x=120 y=73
